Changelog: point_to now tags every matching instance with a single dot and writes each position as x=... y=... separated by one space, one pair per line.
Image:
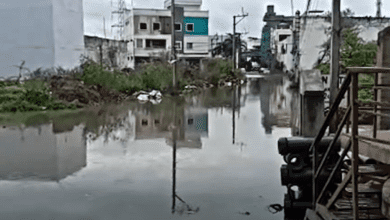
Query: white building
x=281 y=46
x=43 y=33
x=252 y=43
x=149 y=31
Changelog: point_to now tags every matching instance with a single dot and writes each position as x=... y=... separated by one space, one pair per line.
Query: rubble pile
x=70 y=90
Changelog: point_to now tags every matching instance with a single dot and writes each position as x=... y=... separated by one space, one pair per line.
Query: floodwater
x=209 y=156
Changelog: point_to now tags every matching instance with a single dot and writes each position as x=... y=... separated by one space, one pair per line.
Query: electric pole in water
x=173 y=52
x=234 y=35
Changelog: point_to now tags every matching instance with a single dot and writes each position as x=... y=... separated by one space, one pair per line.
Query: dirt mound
x=71 y=90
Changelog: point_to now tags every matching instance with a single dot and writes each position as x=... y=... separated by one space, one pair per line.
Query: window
x=139 y=43
x=127 y=23
x=177 y=27
x=156 y=26
x=156 y=121
x=283 y=36
x=189 y=45
x=178 y=45
x=143 y=26
x=190 y=121
x=190 y=27
x=152 y=43
x=144 y=122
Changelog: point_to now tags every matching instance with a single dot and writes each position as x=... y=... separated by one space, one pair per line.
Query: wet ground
x=209 y=156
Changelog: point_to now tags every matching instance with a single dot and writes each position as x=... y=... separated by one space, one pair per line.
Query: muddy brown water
x=124 y=165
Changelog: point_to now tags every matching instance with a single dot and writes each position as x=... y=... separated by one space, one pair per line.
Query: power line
x=307 y=7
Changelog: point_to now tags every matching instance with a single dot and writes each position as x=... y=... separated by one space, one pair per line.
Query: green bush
x=95 y=74
x=156 y=76
x=217 y=69
x=33 y=95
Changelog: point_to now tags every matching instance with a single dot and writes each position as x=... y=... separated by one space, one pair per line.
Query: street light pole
x=234 y=35
x=234 y=43
x=173 y=52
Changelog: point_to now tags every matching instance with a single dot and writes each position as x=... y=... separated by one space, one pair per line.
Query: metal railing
x=351 y=85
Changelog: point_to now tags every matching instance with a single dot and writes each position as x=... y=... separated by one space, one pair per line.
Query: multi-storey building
x=149 y=31
x=40 y=34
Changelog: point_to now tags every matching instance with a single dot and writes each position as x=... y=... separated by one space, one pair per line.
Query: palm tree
x=225 y=48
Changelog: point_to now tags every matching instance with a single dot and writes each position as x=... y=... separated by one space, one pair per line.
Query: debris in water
x=245 y=213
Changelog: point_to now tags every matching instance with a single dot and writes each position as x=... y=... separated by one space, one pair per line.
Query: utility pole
x=335 y=59
x=173 y=52
x=378 y=8
x=104 y=27
x=234 y=35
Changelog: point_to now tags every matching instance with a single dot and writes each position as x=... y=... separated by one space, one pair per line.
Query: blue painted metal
x=201 y=26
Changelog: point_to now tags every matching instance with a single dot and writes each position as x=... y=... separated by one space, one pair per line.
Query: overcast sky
x=221 y=13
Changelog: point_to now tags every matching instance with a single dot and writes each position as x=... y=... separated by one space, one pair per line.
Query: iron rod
x=332 y=144
x=335 y=168
x=355 y=146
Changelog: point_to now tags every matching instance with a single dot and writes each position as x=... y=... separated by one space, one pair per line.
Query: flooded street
x=210 y=156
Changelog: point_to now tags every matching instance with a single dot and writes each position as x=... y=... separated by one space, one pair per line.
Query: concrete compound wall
x=314 y=35
x=112 y=52
x=43 y=33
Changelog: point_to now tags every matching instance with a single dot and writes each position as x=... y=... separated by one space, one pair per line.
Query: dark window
x=127 y=23
x=139 y=43
x=151 y=43
x=156 y=121
x=282 y=37
x=190 y=27
x=190 y=121
x=143 y=26
x=177 y=27
x=156 y=26
x=189 y=45
x=178 y=45
x=144 y=122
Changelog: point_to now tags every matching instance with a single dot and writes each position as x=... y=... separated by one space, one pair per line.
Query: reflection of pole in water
x=265 y=95
x=174 y=159
x=234 y=111
x=187 y=209
x=239 y=99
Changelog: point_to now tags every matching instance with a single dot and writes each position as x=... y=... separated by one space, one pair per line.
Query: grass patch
x=33 y=95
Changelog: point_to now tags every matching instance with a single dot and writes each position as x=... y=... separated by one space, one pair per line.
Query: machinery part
x=294 y=210
x=300 y=144
x=296 y=161
x=304 y=176
x=248 y=66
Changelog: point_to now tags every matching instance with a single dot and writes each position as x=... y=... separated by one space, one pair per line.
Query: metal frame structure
x=350 y=83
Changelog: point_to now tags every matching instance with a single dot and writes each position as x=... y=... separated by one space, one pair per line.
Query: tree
x=354 y=52
x=350 y=43
x=225 y=48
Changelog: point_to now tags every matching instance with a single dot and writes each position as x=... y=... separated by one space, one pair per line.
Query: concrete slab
x=377 y=151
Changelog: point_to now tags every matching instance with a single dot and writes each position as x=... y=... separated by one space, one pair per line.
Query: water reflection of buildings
x=40 y=153
x=192 y=125
x=277 y=102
